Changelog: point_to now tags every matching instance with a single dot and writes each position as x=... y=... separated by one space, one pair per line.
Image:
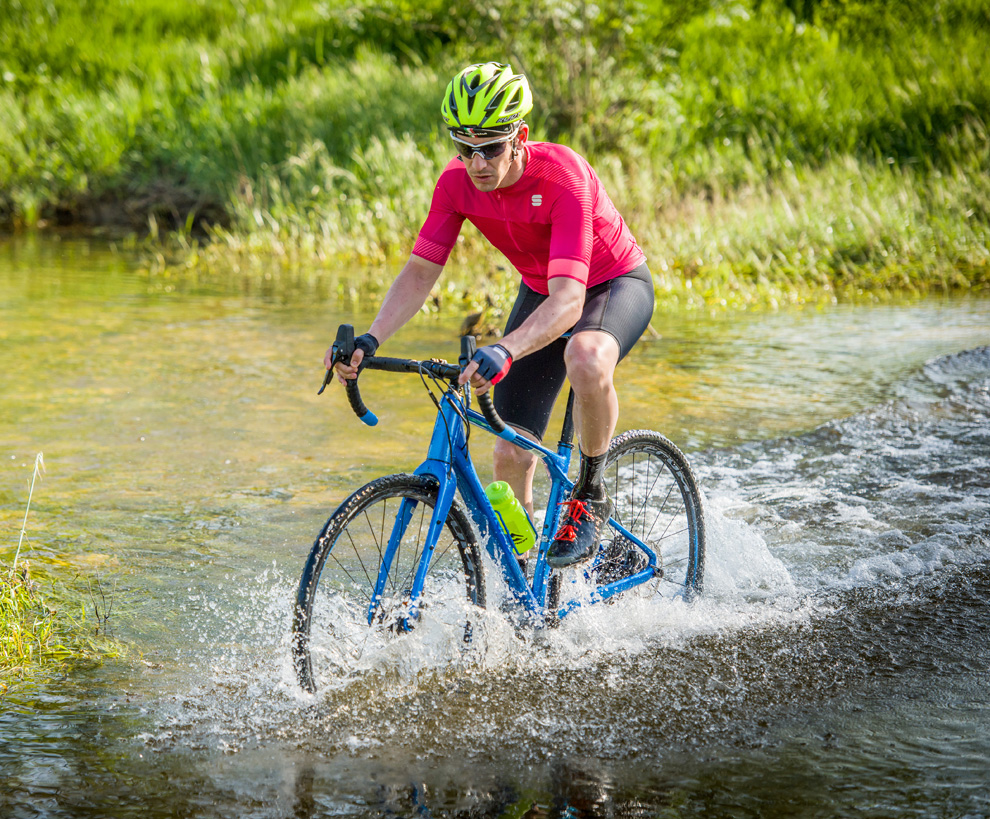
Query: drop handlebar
x=343 y=349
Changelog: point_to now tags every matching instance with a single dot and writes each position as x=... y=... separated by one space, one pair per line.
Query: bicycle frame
x=449 y=462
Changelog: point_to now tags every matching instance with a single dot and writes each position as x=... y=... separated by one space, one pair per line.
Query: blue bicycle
x=407 y=548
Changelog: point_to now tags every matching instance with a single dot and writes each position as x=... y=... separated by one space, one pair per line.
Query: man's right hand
x=364 y=345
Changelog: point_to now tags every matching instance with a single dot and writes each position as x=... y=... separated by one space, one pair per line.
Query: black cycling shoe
x=580 y=531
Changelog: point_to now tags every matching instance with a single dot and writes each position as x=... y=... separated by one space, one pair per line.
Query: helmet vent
x=486 y=96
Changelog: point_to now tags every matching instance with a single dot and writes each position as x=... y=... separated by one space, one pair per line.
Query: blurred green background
x=760 y=150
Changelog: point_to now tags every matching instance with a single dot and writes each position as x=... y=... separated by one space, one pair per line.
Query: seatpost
x=567 y=430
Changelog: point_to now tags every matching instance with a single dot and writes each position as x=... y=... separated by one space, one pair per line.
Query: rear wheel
x=357 y=584
x=656 y=498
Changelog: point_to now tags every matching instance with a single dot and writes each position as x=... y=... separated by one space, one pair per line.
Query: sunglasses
x=486 y=150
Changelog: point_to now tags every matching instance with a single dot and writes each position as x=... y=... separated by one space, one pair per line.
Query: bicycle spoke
x=657 y=517
x=343 y=567
x=657 y=502
x=332 y=628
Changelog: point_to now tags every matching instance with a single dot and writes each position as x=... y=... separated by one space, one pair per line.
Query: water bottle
x=514 y=519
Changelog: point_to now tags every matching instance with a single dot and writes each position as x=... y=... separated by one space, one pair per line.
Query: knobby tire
x=334 y=602
x=656 y=498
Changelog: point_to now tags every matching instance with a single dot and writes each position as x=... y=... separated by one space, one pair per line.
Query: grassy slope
x=761 y=151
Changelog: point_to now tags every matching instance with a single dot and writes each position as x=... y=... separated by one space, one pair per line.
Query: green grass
x=849 y=229
x=761 y=149
x=31 y=630
x=43 y=622
x=44 y=626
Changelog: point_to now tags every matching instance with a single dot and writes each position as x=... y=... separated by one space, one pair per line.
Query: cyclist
x=543 y=206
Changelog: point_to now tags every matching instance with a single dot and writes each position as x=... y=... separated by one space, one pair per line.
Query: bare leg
x=591 y=358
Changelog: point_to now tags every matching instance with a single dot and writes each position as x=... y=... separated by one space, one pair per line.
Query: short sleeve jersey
x=557 y=210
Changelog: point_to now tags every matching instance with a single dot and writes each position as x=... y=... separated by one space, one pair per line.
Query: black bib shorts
x=621 y=307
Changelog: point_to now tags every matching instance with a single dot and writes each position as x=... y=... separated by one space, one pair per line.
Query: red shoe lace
x=576 y=510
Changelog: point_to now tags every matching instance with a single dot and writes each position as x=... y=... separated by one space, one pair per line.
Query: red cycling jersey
x=558 y=209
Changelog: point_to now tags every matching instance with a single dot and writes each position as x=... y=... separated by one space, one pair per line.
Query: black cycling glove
x=368 y=343
x=493 y=362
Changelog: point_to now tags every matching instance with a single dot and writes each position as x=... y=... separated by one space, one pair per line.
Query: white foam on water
x=246 y=687
x=738 y=561
x=895 y=492
x=878 y=498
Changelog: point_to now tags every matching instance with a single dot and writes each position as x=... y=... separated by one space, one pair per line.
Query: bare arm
x=555 y=316
x=403 y=300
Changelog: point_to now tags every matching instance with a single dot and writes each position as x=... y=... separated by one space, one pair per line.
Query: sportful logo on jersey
x=537 y=200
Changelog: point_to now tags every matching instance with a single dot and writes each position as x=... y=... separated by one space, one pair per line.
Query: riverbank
x=849 y=231
x=764 y=151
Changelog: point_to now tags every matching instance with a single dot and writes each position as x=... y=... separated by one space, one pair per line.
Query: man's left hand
x=489 y=366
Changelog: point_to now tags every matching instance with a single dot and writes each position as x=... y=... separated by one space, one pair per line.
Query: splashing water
x=856 y=504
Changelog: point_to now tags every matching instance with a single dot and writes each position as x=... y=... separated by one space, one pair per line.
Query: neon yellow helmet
x=486 y=97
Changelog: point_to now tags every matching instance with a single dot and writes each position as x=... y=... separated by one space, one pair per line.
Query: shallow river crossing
x=838 y=664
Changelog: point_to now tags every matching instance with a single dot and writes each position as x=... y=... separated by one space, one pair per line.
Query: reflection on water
x=837 y=665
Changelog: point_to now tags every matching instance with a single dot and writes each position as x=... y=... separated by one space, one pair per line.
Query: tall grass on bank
x=32 y=628
x=28 y=625
x=847 y=229
x=307 y=130
x=42 y=623
x=196 y=101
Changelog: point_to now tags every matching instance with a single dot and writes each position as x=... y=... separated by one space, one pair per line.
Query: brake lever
x=326 y=380
x=342 y=350
x=469 y=346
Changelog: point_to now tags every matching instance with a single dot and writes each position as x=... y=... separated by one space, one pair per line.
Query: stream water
x=838 y=664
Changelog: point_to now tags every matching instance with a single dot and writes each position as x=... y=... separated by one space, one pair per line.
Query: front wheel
x=657 y=500
x=365 y=576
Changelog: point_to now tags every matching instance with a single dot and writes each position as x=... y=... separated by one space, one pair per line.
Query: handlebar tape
x=492 y=417
x=357 y=404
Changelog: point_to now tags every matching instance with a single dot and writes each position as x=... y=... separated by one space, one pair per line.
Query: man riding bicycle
x=544 y=207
